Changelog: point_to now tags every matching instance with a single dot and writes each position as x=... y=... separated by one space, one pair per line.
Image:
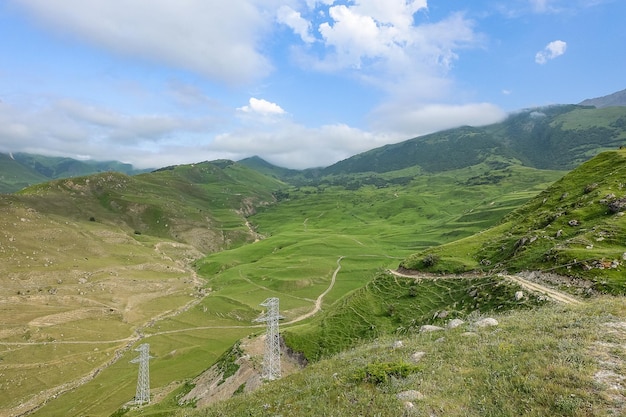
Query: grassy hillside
x=90 y=264
x=202 y=204
x=547 y=361
x=576 y=227
x=388 y=305
x=14 y=176
x=20 y=170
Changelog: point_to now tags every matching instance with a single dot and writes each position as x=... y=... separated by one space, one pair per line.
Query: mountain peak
x=615 y=99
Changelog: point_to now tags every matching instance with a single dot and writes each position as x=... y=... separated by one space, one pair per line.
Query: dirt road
x=531 y=286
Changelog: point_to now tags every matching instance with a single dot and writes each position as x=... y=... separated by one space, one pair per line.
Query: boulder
x=454 y=323
x=417 y=356
x=430 y=328
x=486 y=322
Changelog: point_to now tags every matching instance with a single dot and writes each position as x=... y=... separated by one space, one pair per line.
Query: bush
x=430 y=260
x=381 y=372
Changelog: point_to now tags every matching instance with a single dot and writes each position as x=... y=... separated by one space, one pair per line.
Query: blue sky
x=301 y=83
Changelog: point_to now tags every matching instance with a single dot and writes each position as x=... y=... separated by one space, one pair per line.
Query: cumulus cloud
x=389 y=45
x=552 y=50
x=217 y=39
x=296 y=22
x=262 y=107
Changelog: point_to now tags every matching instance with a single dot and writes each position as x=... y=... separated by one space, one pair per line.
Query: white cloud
x=72 y=128
x=385 y=44
x=370 y=30
x=313 y=147
x=217 y=39
x=551 y=51
x=288 y=16
x=262 y=107
x=411 y=121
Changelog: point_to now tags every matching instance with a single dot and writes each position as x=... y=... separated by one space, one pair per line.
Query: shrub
x=430 y=260
x=381 y=372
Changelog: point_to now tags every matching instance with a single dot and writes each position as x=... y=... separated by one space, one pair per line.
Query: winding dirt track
x=531 y=286
x=318 y=302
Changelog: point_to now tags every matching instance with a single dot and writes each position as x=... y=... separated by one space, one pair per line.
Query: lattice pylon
x=142 y=395
x=271 y=357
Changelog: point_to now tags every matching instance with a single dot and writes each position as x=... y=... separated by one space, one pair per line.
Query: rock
x=573 y=223
x=442 y=314
x=397 y=344
x=417 y=356
x=410 y=395
x=617 y=206
x=430 y=328
x=559 y=233
x=519 y=295
x=408 y=405
x=486 y=322
x=454 y=323
x=589 y=188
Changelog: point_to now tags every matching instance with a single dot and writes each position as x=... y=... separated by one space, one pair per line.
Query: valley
x=181 y=258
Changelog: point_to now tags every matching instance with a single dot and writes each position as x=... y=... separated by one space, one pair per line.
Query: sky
x=300 y=83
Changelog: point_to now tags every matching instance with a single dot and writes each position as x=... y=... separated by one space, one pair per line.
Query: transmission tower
x=142 y=394
x=271 y=358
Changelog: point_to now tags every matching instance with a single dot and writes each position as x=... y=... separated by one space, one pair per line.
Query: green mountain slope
x=549 y=361
x=15 y=176
x=576 y=227
x=615 y=99
x=19 y=170
x=201 y=204
x=89 y=264
x=556 y=137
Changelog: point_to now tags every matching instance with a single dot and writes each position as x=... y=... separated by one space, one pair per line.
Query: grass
x=393 y=305
x=536 y=362
x=567 y=229
x=127 y=259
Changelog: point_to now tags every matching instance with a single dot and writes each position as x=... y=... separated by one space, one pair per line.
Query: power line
x=142 y=394
x=271 y=357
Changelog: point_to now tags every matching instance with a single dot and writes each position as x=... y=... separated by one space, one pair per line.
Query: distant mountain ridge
x=19 y=170
x=558 y=137
x=615 y=99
